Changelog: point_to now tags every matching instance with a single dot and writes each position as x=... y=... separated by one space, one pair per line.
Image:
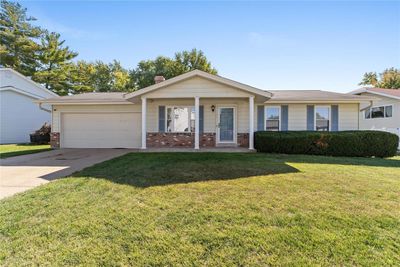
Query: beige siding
x=388 y=124
x=348 y=117
x=297 y=118
x=348 y=113
x=197 y=87
x=59 y=109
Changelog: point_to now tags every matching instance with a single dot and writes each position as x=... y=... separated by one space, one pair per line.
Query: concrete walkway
x=18 y=174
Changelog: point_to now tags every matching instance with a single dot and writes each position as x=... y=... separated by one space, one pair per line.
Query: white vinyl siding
x=391 y=124
x=19 y=117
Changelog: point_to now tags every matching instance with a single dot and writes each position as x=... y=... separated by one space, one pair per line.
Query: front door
x=226 y=125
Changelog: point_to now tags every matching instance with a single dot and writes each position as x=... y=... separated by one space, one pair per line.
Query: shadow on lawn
x=356 y=161
x=4 y=155
x=155 y=169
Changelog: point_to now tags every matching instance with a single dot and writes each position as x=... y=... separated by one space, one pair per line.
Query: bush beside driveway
x=213 y=209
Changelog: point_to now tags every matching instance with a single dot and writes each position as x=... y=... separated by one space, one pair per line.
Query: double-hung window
x=180 y=119
x=272 y=118
x=322 y=118
x=378 y=112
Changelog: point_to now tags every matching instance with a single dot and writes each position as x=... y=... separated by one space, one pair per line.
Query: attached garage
x=100 y=130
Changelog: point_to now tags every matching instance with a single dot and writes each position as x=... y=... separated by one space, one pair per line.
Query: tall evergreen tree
x=55 y=60
x=18 y=49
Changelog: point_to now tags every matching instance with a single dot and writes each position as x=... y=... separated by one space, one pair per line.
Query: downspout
x=367 y=107
x=45 y=109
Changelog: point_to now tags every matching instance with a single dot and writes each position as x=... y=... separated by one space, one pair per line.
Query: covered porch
x=198 y=122
x=197 y=110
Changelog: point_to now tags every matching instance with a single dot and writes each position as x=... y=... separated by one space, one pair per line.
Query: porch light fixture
x=212 y=108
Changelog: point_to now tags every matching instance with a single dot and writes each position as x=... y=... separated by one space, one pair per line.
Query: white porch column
x=144 y=115
x=251 y=122
x=197 y=122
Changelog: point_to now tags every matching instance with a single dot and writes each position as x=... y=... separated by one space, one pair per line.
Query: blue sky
x=325 y=45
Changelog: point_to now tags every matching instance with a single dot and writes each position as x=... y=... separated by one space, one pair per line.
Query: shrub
x=346 y=143
x=41 y=136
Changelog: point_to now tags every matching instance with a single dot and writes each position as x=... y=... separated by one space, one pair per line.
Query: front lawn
x=213 y=209
x=11 y=150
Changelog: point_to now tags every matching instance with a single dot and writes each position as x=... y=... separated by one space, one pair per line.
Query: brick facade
x=187 y=140
x=170 y=139
x=243 y=139
x=55 y=140
x=207 y=140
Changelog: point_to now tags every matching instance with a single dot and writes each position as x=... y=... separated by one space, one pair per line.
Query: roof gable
x=309 y=96
x=391 y=93
x=15 y=81
x=197 y=74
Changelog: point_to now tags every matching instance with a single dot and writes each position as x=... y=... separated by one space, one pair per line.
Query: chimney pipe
x=159 y=79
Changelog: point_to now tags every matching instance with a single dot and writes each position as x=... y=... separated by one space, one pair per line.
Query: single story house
x=195 y=109
x=384 y=112
x=19 y=115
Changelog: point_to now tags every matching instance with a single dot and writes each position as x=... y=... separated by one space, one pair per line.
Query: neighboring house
x=195 y=109
x=19 y=115
x=384 y=113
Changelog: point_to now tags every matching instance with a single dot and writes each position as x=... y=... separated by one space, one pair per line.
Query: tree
x=389 y=78
x=18 y=49
x=146 y=70
x=99 y=77
x=193 y=60
x=183 y=62
x=370 y=78
x=121 y=78
x=80 y=76
x=55 y=60
x=110 y=77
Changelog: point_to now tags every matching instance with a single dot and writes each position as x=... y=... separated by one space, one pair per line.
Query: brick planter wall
x=55 y=140
x=207 y=140
x=243 y=139
x=170 y=139
x=187 y=140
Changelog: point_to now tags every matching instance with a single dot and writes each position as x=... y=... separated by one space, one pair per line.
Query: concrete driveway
x=21 y=173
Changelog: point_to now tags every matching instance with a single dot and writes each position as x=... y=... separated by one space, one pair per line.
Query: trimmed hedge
x=346 y=143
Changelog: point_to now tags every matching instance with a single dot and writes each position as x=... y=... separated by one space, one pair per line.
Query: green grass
x=211 y=209
x=12 y=150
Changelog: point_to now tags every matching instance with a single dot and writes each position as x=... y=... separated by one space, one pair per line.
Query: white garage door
x=101 y=130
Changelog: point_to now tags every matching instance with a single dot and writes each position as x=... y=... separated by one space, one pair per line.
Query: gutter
x=44 y=109
x=367 y=107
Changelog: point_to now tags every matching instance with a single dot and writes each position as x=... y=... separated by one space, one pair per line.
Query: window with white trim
x=378 y=112
x=322 y=118
x=180 y=119
x=272 y=118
